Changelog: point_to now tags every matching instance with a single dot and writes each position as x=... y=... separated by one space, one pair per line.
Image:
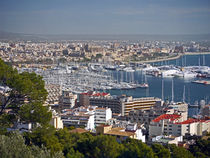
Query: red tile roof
x=100 y=94
x=191 y=120
x=172 y=117
x=96 y=94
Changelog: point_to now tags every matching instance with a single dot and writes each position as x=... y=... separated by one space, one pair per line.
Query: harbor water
x=193 y=92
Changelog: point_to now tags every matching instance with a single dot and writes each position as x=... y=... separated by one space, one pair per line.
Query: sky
x=105 y=16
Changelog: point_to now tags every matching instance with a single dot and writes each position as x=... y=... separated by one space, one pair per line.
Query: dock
x=205 y=82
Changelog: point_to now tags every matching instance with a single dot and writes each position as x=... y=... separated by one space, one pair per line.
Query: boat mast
x=162 y=89
x=183 y=95
x=203 y=60
x=172 y=91
x=145 y=77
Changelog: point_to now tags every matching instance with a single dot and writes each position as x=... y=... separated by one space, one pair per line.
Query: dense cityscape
x=90 y=80
x=96 y=51
x=77 y=75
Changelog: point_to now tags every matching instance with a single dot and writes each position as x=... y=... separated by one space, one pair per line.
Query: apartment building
x=79 y=117
x=56 y=120
x=79 y=120
x=67 y=99
x=177 y=125
x=145 y=116
x=102 y=115
x=120 y=104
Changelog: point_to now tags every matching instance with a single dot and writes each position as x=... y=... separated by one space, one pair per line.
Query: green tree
x=25 y=97
x=106 y=147
x=35 y=112
x=44 y=136
x=14 y=146
x=201 y=148
x=179 y=152
x=160 y=151
x=74 y=154
x=136 y=149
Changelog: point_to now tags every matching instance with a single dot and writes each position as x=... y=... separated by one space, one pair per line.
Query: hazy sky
x=105 y=16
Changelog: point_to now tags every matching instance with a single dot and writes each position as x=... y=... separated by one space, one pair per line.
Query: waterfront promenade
x=173 y=57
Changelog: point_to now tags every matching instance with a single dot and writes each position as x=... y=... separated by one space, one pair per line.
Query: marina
x=137 y=80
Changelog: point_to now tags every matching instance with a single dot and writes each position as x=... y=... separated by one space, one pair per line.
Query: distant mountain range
x=39 y=37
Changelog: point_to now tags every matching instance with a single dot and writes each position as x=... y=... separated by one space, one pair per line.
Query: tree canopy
x=201 y=148
x=13 y=146
x=24 y=99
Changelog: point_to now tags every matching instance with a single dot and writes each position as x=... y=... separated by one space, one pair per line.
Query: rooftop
x=171 y=117
x=118 y=132
x=78 y=130
x=96 y=94
x=191 y=120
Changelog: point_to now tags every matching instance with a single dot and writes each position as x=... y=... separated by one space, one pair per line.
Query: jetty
x=205 y=82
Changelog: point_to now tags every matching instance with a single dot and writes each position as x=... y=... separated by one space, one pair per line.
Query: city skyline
x=105 y=17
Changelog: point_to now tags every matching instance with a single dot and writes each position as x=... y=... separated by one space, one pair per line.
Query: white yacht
x=129 y=69
x=185 y=74
x=169 y=73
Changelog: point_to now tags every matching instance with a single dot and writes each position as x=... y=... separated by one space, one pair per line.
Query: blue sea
x=193 y=92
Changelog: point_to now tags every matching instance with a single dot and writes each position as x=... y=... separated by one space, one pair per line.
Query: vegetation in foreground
x=45 y=141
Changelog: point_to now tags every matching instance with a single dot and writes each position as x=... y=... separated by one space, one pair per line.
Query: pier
x=205 y=82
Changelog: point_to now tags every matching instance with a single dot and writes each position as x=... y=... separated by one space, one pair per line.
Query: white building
x=80 y=120
x=176 y=125
x=167 y=139
x=102 y=115
x=80 y=117
x=132 y=127
x=21 y=127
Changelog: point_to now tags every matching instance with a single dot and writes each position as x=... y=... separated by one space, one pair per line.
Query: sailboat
x=144 y=84
x=172 y=91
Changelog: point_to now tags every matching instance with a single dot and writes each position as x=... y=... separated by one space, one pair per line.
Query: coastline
x=196 y=53
x=173 y=58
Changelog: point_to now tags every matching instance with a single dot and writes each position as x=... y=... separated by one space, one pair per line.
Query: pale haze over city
x=105 y=16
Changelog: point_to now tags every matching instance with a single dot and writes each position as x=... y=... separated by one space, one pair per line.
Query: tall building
x=118 y=104
x=177 y=125
x=145 y=116
x=102 y=115
x=139 y=104
x=56 y=120
x=68 y=99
